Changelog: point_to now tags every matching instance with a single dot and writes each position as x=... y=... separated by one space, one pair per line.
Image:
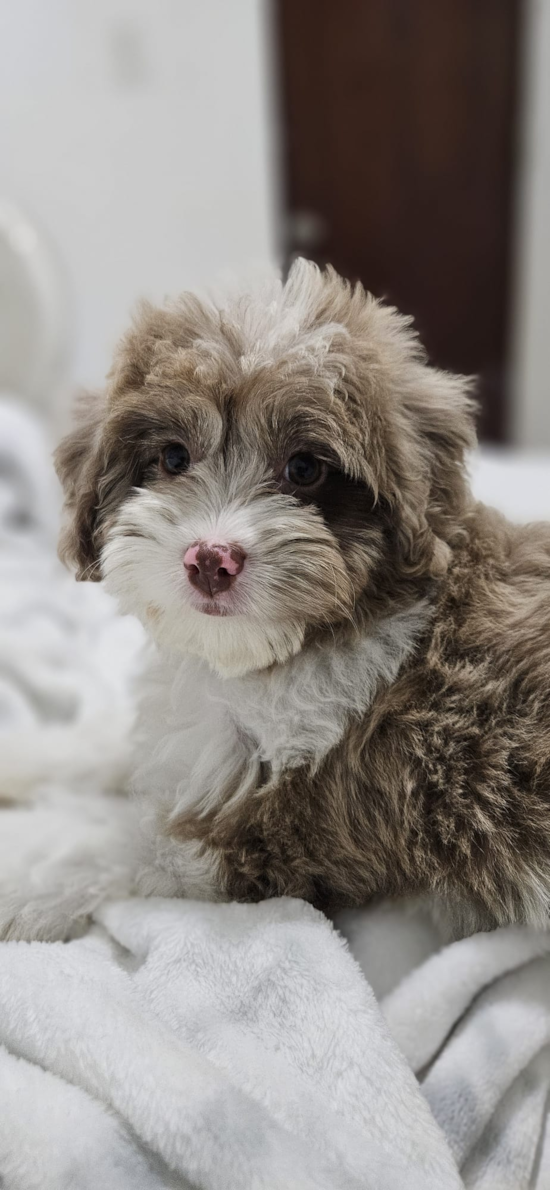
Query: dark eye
x=303 y=470
x=175 y=458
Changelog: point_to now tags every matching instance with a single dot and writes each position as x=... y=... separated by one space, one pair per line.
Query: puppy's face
x=262 y=469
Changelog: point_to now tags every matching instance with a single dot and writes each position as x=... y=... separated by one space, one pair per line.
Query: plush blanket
x=179 y=1044
x=223 y=1046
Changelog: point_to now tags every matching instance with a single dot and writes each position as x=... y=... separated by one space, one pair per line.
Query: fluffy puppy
x=351 y=694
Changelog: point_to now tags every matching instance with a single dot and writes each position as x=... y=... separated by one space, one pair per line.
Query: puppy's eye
x=304 y=470
x=175 y=458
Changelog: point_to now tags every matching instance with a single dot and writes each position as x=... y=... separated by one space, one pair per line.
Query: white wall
x=136 y=133
x=532 y=304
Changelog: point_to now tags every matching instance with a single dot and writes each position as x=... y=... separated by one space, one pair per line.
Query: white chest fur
x=205 y=738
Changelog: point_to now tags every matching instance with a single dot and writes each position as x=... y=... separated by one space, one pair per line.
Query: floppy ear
x=93 y=463
x=437 y=422
x=79 y=465
x=419 y=425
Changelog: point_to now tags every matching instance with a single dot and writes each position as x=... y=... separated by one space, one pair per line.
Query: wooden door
x=399 y=137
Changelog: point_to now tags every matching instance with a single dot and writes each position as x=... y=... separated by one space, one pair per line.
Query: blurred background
x=148 y=146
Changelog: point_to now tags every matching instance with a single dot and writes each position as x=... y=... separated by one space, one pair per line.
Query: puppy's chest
x=217 y=737
x=208 y=738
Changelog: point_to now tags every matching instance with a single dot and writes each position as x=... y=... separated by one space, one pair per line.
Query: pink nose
x=212 y=567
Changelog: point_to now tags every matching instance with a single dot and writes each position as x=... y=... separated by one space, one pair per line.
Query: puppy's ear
x=94 y=462
x=443 y=410
x=437 y=431
x=79 y=464
x=418 y=425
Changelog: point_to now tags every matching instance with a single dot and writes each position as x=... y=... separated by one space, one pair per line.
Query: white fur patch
x=299 y=711
x=274 y=320
x=205 y=738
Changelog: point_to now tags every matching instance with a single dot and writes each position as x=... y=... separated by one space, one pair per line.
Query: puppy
x=351 y=690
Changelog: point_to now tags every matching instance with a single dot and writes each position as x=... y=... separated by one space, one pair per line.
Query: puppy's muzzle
x=213 y=567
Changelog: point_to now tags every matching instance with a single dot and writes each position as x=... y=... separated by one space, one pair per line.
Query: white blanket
x=234 y=1046
x=473 y=1021
x=229 y=1046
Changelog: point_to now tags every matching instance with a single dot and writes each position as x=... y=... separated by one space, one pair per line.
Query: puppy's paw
x=59 y=859
x=39 y=919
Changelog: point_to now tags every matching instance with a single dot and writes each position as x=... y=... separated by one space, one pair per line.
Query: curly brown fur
x=438 y=776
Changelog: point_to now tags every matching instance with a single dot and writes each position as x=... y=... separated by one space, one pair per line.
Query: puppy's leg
x=60 y=857
x=170 y=867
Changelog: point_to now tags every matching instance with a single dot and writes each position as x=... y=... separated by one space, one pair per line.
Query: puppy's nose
x=213 y=567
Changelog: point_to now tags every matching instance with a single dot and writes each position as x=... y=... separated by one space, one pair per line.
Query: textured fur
x=370 y=715
x=215 y=740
